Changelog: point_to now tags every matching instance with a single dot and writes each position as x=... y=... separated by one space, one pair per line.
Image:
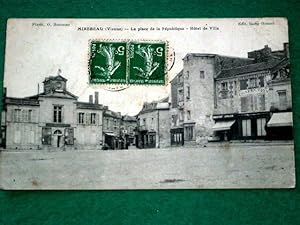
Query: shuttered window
x=46 y=135
x=69 y=136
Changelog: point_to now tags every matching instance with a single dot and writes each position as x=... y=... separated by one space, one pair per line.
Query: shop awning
x=284 y=119
x=110 y=134
x=223 y=125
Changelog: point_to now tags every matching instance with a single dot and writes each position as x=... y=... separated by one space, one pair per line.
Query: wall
x=89 y=136
x=69 y=110
x=158 y=121
x=22 y=134
x=233 y=104
x=164 y=128
x=201 y=102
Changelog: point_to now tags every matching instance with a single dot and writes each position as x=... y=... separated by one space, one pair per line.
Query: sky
x=34 y=52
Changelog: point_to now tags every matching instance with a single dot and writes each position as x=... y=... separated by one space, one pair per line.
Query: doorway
x=57 y=138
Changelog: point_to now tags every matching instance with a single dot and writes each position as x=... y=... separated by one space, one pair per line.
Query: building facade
x=219 y=97
x=153 y=129
x=128 y=130
x=251 y=99
x=177 y=110
x=193 y=96
x=112 y=136
x=53 y=119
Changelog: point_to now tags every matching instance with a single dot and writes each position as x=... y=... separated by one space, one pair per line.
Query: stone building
x=254 y=101
x=153 y=129
x=177 y=110
x=192 y=96
x=128 y=130
x=112 y=130
x=213 y=90
x=53 y=119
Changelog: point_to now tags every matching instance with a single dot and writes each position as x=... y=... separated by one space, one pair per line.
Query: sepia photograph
x=106 y=104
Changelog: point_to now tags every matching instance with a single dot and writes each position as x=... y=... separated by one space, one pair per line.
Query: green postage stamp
x=128 y=62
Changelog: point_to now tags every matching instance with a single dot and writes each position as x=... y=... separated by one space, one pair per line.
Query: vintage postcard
x=147 y=104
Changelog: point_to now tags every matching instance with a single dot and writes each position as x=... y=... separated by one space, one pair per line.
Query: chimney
x=91 y=99
x=96 y=97
x=4 y=92
x=261 y=55
x=286 y=50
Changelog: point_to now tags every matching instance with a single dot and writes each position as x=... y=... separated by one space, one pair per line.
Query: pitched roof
x=66 y=93
x=21 y=101
x=129 y=118
x=86 y=105
x=255 y=67
x=174 y=78
x=152 y=106
x=58 y=77
x=111 y=113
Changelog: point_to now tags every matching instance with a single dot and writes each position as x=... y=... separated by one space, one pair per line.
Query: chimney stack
x=286 y=49
x=91 y=99
x=96 y=97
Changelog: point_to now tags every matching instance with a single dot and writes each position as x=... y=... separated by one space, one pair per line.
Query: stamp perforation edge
x=128 y=41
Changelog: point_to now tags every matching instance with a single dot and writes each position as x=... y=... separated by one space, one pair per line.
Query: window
x=253 y=83
x=69 y=136
x=180 y=95
x=17 y=137
x=246 y=128
x=180 y=78
x=57 y=114
x=46 y=135
x=224 y=86
x=187 y=75
x=81 y=118
x=24 y=115
x=243 y=84
x=188 y=92
x=17 y=115
x=29 y=115
x=253 y=103
x=202 y=76
x=174 y=120
x=181 y=115
x=189 y=133
x=31 y=137
x=93 y=118
x=261 y=124
x=244 y=104
x=261 y=102
x=235 y=88
x=282 y=100
x=152 y=140
x=261 y=81
x=188 y=116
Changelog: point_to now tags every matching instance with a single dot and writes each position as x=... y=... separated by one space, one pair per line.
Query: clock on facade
x=58 y=85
